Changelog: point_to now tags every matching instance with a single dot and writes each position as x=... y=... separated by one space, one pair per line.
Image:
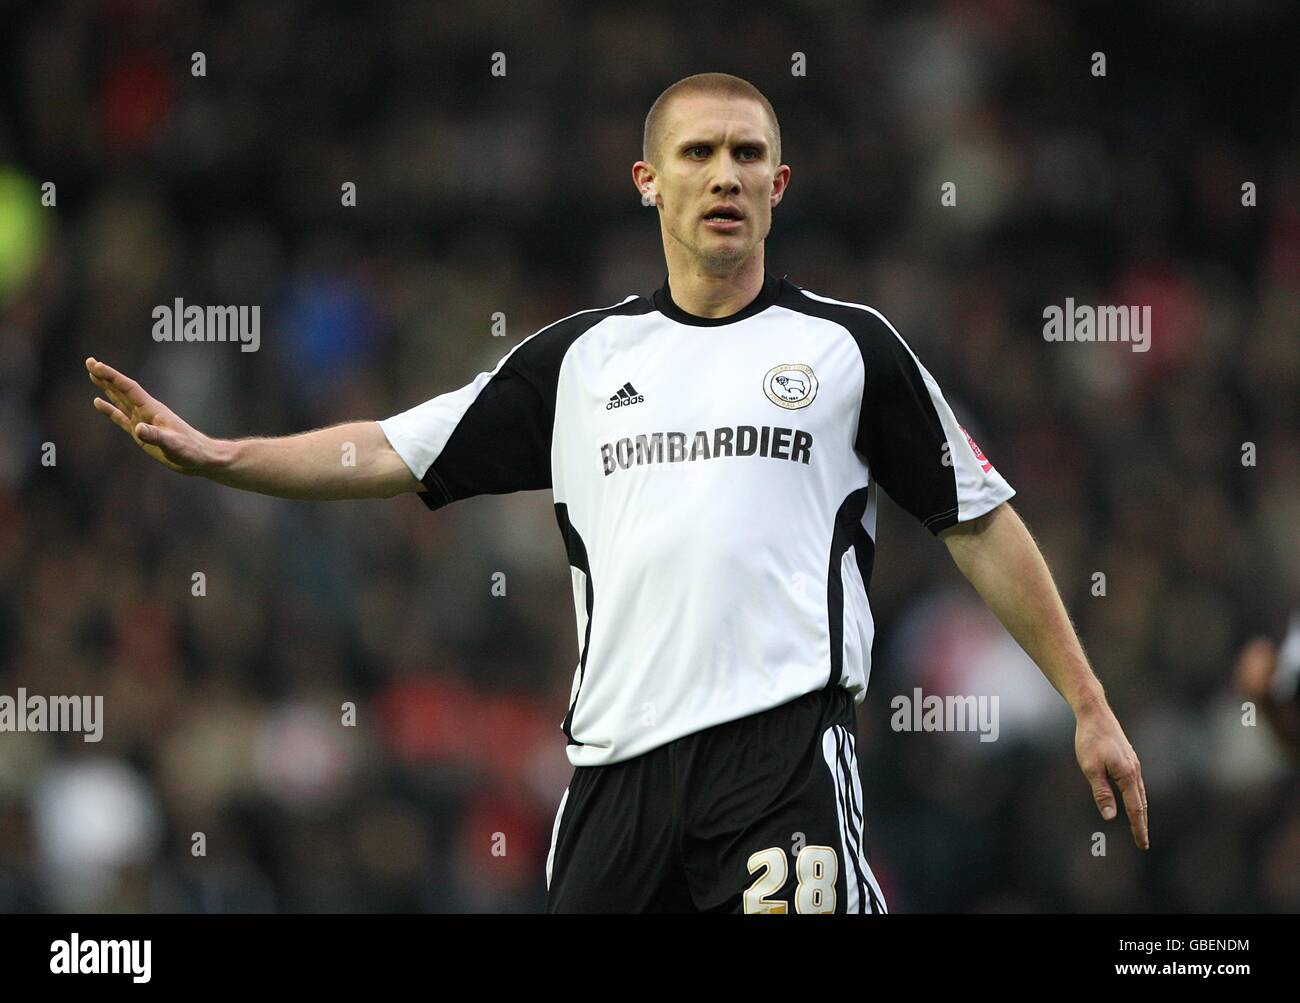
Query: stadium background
x=479 y=194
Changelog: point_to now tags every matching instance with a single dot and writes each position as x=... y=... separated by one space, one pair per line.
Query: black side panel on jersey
x=899 y=432
x=849 y=532
x=576 y=550
x=503 y=441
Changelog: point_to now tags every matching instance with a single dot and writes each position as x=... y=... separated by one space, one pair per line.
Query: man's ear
x=645 y=187
x=780 y=183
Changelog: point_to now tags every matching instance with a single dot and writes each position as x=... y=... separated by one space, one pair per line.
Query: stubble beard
x=720 y=260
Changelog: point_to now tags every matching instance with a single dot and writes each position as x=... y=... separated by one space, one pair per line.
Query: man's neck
x=714 y=296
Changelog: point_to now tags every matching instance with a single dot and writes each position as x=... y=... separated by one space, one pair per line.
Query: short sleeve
x=492 y=436
x=914 y=445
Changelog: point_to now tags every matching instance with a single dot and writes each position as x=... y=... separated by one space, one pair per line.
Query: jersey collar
x=663 y=302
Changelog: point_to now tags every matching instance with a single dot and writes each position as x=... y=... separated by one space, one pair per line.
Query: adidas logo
x=625 y=397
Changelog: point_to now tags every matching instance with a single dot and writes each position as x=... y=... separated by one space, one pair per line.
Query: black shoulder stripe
x=539 y=360
x=503 y=441
x=899 y=432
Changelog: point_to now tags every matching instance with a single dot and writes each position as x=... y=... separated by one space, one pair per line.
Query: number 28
x=816 y=868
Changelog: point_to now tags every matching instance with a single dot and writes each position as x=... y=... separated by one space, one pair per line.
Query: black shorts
x=761 y=814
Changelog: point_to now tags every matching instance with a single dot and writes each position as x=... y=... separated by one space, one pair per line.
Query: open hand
x=155 y=428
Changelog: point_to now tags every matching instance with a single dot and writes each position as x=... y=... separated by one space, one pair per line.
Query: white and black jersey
x=715 y=484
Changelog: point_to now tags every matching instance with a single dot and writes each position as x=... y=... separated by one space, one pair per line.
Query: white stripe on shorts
x=857 y=800
x=555 y=832
x=848 y=799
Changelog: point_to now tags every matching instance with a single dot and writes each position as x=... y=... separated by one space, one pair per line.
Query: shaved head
x=712 y=84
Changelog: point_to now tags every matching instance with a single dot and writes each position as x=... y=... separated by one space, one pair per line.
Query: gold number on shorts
x=772 y=861
x=816 y=869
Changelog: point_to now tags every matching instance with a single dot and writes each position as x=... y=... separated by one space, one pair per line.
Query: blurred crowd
x=340 y=714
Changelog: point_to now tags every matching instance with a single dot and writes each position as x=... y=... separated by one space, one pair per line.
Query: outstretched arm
x=313 y=465
x=999 y=557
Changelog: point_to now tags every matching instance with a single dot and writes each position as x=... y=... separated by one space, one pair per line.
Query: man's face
x=715 y=151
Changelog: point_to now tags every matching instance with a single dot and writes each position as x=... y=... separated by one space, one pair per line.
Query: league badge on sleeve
x=975 y=448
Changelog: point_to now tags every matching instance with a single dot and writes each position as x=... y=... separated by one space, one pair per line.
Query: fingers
x=167 y=440
x=1145 y=842
x=1135 y=803
x=117 y=383
x=94 y=378
x=106 y=386
x=116 y=407
x=114 y=398
x=98 y=372
x=1129 y=778
x=1103 y=795
x=151 y=434
x=116 y=416
x=1104 y=753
